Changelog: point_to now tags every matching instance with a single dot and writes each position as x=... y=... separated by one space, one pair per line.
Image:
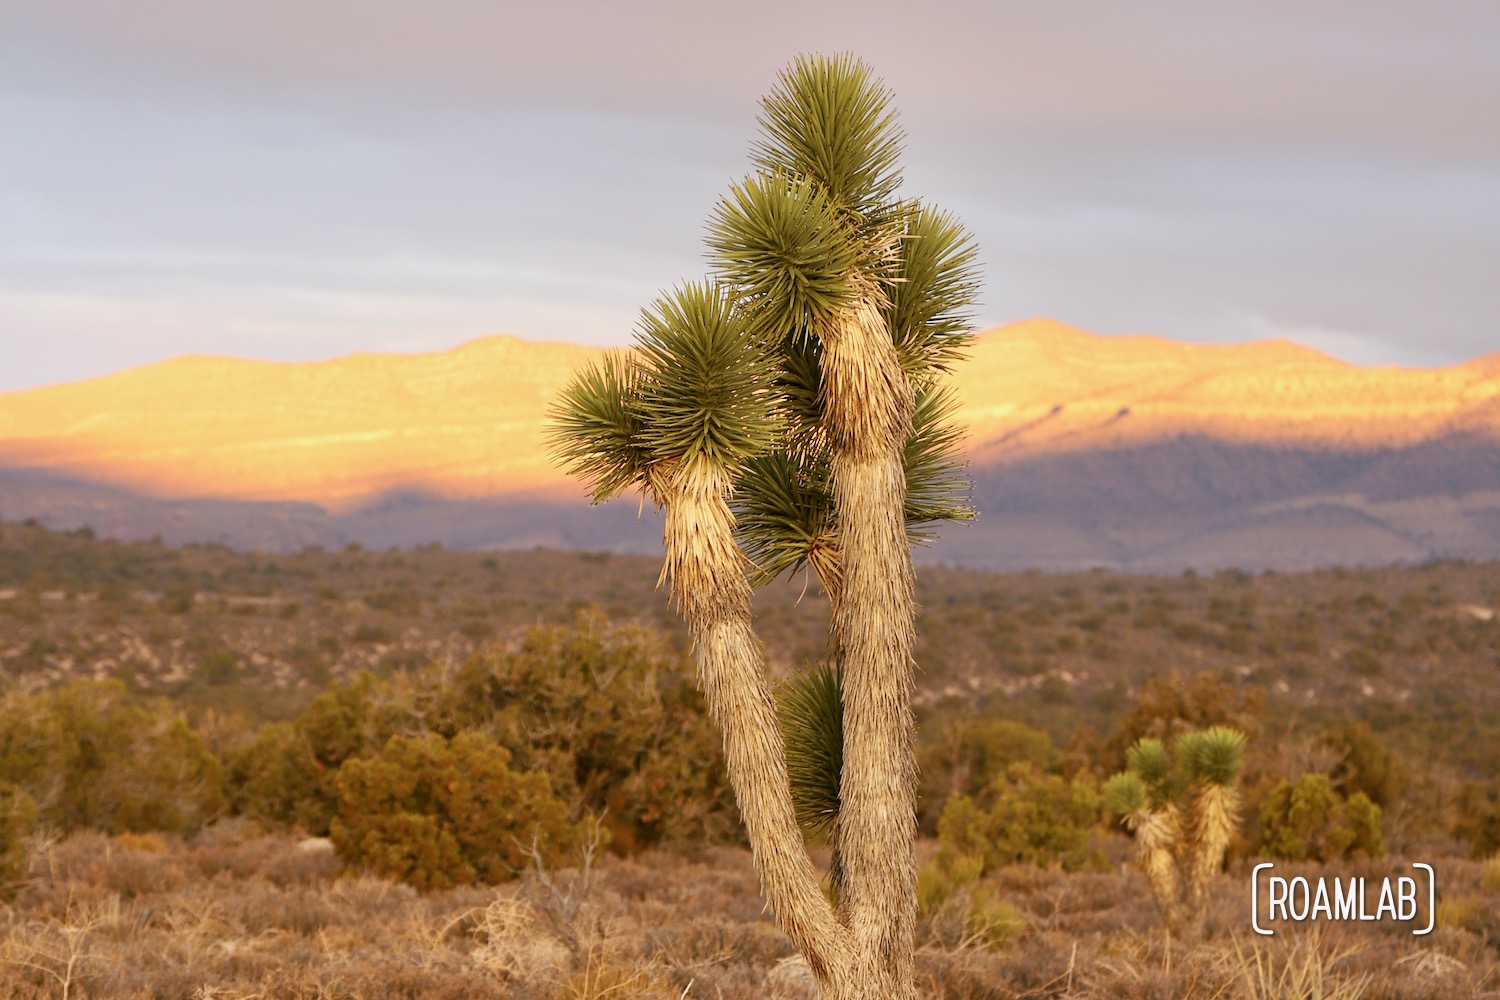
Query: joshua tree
x=790 y=416
x=1182 y=815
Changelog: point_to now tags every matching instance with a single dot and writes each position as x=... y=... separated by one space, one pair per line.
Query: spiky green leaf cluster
x=830 y=120
x=1212 y=756
x=931 y=291
x=777 y=239
x=800 y=385
x=707 y=386
x=784 y=510
x=936 y=487
x=1125 y=793
x=596 y=427
x=784 y=513
x=700 y=387
x=812 y=724
x=1148 y=758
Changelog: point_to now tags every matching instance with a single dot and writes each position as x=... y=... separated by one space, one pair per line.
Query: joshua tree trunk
x=708 y=578
x=868 y=404
x=1157 y=833
x=1215 y=812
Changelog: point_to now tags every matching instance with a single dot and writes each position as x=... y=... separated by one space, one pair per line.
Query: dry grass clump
x=234 y=915
x=238 y=914
x=1491 y=875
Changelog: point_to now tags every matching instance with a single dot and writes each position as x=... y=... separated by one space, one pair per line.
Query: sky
x=301 y=179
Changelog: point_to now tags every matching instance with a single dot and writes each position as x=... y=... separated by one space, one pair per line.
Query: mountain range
x=1134 y=453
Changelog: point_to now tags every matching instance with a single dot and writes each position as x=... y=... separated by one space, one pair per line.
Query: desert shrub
x=1364 y=662
x=17 y=814
x=285 y=775
x=1365 y=764
x=278 y=779
x=1307 y=820
x=1169 y=706
x=1305 y=635
x=437 y=812
x=604 y=711
x=1489 y=875
x=368 y=634
x=218 y=667
x=1478 y=820
x=957 y=905
x=93 y=757
x=991 y=920
x=1035 y=818
x=1460 y=911
x=964 y=755
x=940 y=878
x=613 y=718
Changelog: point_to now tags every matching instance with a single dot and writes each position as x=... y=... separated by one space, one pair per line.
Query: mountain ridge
x=1115 y=447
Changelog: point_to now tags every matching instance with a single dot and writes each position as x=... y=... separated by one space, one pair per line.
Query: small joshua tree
x=790 y=415
x=1182 y=813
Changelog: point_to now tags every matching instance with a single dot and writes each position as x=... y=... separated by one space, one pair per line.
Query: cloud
x=297 y=180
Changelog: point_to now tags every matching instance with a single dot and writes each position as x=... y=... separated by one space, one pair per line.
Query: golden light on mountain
x=1041 y=385
x=465 y=422
x=470 y=422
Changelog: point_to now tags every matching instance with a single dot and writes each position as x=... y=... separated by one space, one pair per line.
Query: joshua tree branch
x=708 y=578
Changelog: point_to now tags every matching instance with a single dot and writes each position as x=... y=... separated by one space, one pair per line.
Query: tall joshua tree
x=791 y=415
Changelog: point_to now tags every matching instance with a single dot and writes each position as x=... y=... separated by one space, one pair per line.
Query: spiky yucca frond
x=595 y=427
x=936 y=487
x=1125 y=794
x=778 y=240
x=812 y=723
x=830 y=120
x=932 y=291
x=708 y=394
x=1213 y=756
x=800 y=385
x=783 y=511
x=1148 y=758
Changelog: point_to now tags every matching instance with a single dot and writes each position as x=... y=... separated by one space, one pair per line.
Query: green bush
x=965 y=754
x=285 y=775
x=218 y=667
x=939 y=879
x=1478 y=820
x=1365 y=764
x=276 y=778
x=93 y=757
x=438 y=812
x=1307 y=820
x=990 y=920
x=616 y=722
x=1036 y=818
x=605 y=712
